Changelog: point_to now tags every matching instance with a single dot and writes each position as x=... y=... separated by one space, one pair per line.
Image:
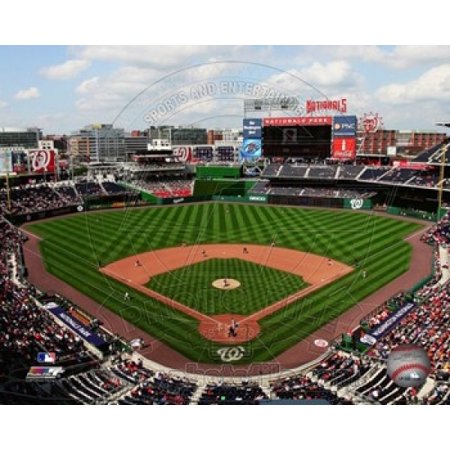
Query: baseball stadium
x=294 y=265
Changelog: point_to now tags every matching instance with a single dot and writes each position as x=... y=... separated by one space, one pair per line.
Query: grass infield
x=260 y=286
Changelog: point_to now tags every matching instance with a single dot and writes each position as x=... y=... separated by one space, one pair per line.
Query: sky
x=63 y=88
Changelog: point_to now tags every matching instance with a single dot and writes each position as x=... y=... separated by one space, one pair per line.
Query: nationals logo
x=42 y=160
x=356 y=203
x=184 y=154
x=371 y=122
x=229 y=354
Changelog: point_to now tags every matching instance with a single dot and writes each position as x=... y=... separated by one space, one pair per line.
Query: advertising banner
x=76 y=326
x=42 y=161
x=252 y=128
x=5 y=161
x=37 y=373
x=343 y=148
x=297 y=121
x=251 y=150
x=344 y=126
x=183 y=153
x=387 y=325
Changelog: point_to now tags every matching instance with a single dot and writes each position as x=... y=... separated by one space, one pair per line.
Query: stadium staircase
x=197 y=395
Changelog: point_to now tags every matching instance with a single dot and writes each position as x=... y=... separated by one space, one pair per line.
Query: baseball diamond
x=81 y=249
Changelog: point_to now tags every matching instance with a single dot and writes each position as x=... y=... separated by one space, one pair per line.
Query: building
x=20 y=137
x=98 y=142
x=231 y=136
x=46 y=144
x=180 y=135
x=393 y=142
x=136 y=142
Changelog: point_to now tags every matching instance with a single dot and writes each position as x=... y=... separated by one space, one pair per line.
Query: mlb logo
x=43 y=357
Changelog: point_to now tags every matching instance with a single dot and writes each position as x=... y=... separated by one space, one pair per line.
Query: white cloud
x=161 y=56
x=433 y=85
x=88 y=86
x=398 y=57
x=318 y=79
x=3 y=104
x=65 y=71
x=26 y=94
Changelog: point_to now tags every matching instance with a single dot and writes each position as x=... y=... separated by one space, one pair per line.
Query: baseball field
x=172 y=256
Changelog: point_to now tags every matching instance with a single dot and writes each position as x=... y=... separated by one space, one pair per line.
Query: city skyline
x=63 y=88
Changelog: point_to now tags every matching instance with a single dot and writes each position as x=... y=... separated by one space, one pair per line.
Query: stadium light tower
x=442 y=168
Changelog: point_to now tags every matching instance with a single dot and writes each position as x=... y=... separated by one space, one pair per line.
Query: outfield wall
x=233 y=188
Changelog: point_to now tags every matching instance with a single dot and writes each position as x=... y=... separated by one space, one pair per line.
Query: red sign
x=296 y=121
x=327 y=105
x=343 y=148
x=42 y=160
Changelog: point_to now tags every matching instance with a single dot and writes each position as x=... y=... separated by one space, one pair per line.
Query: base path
x=137 y=270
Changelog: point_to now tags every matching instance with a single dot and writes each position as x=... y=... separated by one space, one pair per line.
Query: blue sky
x=62 y=88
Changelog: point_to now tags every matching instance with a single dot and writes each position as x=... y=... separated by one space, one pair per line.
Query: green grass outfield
x=260 y=286
x=72 y=247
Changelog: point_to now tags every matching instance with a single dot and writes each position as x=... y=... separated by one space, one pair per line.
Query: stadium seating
x=247 y=393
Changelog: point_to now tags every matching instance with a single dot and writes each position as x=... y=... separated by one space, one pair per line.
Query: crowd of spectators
x=167 y=189
x=320 y=192
x=439 y=233
x=426 y=325
x=246 y=393
x=161 y=389
x=301 y=387
x=33 y=199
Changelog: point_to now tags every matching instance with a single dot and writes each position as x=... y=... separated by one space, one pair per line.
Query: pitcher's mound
x=226 y=283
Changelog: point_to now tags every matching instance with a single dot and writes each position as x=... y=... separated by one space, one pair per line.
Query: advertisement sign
x=252 y=128
x=37 y=373
x=251 y=150
x=41 y=161
x=76 y=326
x=297 y=121
x=357 y=203
x=379 y=331
x=5 y=161
x=344 y=126
x=183 y=153
x=326 y=105
x=343 y=148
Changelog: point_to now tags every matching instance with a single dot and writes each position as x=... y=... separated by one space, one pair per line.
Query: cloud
x=88 y=86
x=317 y=79
x=432 y=85
x=162 y=56
x=397 y=57
x=26 y=94
x=3 y=104
x=65 y=71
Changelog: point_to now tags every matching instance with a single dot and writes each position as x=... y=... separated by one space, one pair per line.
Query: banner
x=379 y=331
x=183 y=153
x=5 y=161
x=297 y=121
x=76 y=326
x=252 y=128
x=251 y=150
x=344 y=126
x=41 y=161
x=357 y=203
x=37 y=373
x=343 y=148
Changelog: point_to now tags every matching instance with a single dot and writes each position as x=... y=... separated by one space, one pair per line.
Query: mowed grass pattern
x=73 y=247
x=260 y=286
